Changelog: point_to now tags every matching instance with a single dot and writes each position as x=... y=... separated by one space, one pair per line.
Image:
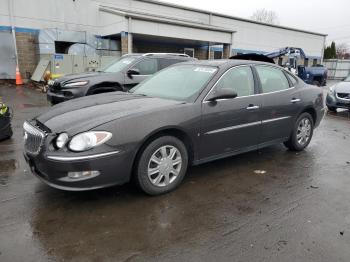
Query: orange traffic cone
x=19 y=80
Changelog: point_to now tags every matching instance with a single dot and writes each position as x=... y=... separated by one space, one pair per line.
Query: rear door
x=281 y=102
x=231 y=125
x=147 y=67
x=7 y=56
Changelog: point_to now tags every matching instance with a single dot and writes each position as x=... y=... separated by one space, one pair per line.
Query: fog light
x=83 y=174
x=61 y=140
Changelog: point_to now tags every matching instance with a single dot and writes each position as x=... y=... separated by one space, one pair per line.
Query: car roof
x=166 y=55
x=226 y=62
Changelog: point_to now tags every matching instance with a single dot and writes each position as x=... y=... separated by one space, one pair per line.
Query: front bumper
x=114 y=168
x=333 y=101
x=56 y=96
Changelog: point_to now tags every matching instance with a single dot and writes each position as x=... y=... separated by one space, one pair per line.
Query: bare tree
x=342 y=50
x=265 y=16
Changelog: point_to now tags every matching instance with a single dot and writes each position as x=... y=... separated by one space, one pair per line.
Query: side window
x=292 y=79
x=239 y=79
x=148 y=66
x=165 y=62
x=272 y=79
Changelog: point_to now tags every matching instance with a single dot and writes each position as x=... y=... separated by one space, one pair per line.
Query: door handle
x=252 y=107
x=295 y=100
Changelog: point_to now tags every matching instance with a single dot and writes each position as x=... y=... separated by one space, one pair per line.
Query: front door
x=281 y=102
x=231 y=125
x=147 y=67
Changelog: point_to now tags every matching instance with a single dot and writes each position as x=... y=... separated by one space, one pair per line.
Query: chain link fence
x=337 y=69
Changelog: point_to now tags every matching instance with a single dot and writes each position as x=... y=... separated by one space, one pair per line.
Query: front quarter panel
x=131 y=132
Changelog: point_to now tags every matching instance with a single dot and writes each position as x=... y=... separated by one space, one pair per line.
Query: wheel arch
x=177 y=132
x=103 y=87
x=311 y=111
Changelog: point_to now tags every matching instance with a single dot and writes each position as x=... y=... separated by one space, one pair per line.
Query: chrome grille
x=54 y=86
x=33 y=139
x=344 y=96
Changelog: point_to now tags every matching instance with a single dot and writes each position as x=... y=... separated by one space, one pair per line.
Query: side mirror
x=222 y=93
x=133 y=71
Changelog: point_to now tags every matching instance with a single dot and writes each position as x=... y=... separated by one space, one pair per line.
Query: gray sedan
x=339 y=96
x=187 y=114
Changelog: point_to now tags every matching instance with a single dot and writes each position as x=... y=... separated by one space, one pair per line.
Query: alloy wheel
x=164 y=165
x=304 y=131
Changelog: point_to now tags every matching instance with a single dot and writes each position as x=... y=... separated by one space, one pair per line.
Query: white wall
x=80 y=15
x=83 y=15
x=251 y=36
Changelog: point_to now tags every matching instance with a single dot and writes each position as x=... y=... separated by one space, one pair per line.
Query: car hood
x=95 y=76
x=85 y=113
x=342 y=87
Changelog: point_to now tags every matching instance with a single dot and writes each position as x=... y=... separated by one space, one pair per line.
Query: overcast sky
x=329 y=17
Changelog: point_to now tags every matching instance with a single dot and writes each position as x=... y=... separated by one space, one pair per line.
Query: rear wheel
x=302 y=133
x=162 y=165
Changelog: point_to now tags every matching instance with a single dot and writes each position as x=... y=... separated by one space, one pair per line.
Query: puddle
x=5 y=167
x=26 y=105
x=3 y=180
x=8 y=165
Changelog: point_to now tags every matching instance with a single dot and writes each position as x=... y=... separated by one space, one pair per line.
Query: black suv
x=121 y=75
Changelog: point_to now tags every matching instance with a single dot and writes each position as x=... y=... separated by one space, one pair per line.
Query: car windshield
x=119 y=65
x=347 y=79
x=177 y=83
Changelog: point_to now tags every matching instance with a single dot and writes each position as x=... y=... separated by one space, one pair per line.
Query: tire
x=166 y=179
x=332 y=109
x=301 y=134
x=316 y=83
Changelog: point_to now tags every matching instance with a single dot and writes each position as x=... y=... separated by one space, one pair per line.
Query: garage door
x=7 y=56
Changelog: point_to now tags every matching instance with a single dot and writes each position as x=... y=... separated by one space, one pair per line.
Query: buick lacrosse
x=186 y=114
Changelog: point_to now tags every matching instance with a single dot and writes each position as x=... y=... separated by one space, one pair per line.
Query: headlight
x=80 y=83
x=331 y=90
x=61 y=140
x=88 y=140
x=51 y=82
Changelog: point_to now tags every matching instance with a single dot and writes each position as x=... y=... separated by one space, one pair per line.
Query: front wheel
x=302 y=133
x=162 y=165
x=332 y=109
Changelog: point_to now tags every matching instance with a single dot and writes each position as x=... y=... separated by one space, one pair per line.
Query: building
x=136 y=26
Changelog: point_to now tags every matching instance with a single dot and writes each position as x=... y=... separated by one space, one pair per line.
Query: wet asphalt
x=298 y=210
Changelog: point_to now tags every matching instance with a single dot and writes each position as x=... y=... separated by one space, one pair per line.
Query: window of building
x=272 y=79
x=239 y=79
x=217 y=54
